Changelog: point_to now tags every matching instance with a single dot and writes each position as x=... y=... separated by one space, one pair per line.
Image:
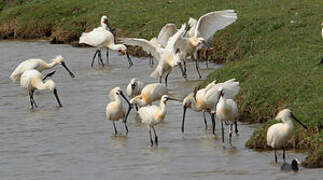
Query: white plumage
x=134 y=87
x=153 y=115
x=226 y=111
x=167 y=58
x=279 y=134
x=165 y=33
x=322 y=30
x=102 y=37
x=205 y=99
x=115 y=110
x=31 y=80
x=149 y=93
x=37 y=64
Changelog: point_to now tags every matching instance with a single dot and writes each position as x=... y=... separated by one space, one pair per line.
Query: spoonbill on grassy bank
x=166 y=57
x=153 y=115
x=135 y=87
x=115 y=110
x=279 y=133
x=102 y=37
x=205 y=99
x=39 y=65
x=226 y=111
x=32 y=80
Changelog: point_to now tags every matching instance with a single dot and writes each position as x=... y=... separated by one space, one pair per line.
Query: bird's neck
x=195 y=106
x=162 y=108
x=114 y=47
x=51 y=64
x=38 y=84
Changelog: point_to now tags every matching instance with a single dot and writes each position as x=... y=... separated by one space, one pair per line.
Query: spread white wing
x=211 y=22
x=165 y=33
x=146 y=45
x=175 y=39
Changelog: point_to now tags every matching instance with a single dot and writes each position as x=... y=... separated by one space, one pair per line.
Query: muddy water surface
x=77 y=142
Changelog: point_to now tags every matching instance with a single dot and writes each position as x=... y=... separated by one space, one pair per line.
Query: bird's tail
x=231 y=88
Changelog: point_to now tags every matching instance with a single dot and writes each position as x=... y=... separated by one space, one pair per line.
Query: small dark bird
x=321 y=62
x=290 y=167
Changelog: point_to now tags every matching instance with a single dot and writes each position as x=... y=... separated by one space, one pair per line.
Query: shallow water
x=77 y=142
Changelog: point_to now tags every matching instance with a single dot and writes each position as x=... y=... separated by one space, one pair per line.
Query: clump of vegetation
x=272 y=50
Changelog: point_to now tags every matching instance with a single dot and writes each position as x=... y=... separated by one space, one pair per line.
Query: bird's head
x=123 y=50
x=285 y=115
x=105 y=22
x=188 y=100
x=133 y=83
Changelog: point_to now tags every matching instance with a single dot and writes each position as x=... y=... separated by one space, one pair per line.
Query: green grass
x=274 y=59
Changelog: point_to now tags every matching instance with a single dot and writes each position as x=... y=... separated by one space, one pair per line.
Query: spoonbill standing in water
x=32 y=80
x=226 y=111
x=167 y=57
x=205 y=99
x=39 y=65
x=153 y=115
x=279 y=133
x=115 y=110
x=102 y=37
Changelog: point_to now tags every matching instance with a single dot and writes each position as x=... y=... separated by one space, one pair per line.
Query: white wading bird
x=167 y=59
x=153 y=115
x=226 y=111
x=203 y=30
x=149 y=93
x=322 y=30
x=279 y=133
x=115 y=110
x=205 y=99
x=135 y=87
x=161 y=41
x=32 y=80
x=39 y=65
x=102 y=37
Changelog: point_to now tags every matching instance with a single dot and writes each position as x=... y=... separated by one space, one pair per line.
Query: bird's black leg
x=136 y=106
x=222 y=131
x=151 y=139
x=184 y=62
x=31 y=101
x=205 y=122
x=284 y=154
x=197 y=65
x=156 y=138
x=100 y=58
x=166 y=79
x=32 y=98
x=160 y=79
x=115 y=129
x=213 y=122
x=96 y=52
x=125 y=125
x=107 y=54
x=207 y=58
x=275 y=156
x=236 y=127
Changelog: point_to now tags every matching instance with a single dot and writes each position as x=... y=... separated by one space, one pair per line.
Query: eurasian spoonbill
x=32 y=80
x=279 y=133
x=135 y=87
x=102 y=37
x=153 y=115
x=205 y=99
x=39 y=65
x=115 y=110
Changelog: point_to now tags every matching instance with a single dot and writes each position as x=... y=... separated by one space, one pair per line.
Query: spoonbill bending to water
x=279 y=133
x=149 y=93
x=205 y=99
x=203 y=30
x=39 y=65
x=32 y=80
x=102 y=37
x=226 y=111
x=115 y=110
x=153 y=115
x=135 y=87
x=167 y=57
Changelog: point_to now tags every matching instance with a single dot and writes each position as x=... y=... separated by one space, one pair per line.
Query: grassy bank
x=272 y=49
